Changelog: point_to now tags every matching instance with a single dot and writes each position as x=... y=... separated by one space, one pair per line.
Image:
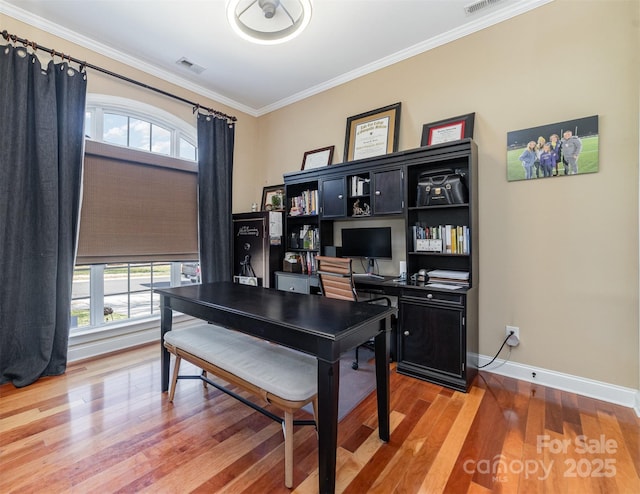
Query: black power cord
x=498 y=353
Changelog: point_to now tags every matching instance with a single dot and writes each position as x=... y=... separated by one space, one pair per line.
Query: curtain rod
x=196 y=106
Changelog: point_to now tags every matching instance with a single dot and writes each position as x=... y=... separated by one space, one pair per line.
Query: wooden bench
x=282 y=377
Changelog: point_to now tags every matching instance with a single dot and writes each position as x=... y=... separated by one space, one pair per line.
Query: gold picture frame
x=373 y=133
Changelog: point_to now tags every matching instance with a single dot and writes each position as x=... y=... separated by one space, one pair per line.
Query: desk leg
x=382 y=342
x=166 y=320
x=328 y=386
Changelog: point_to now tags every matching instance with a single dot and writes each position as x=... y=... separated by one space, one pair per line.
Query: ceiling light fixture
x=268 y=22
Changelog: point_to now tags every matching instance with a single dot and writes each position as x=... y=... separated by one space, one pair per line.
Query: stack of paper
x=457 y=278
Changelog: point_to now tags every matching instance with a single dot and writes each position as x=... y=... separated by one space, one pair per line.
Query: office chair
x=336 y=281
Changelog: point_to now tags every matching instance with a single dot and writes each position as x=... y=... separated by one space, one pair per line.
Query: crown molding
x=452 y=35
x=473 y=26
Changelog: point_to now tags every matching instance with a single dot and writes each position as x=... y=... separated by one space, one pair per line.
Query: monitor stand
x=371 y=266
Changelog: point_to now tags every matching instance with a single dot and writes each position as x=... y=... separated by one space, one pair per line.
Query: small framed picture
x=273 y=198
x=317 y=158
x=373 y=133
x=450 y=129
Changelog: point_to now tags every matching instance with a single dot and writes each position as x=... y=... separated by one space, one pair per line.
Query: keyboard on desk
x=367 y=276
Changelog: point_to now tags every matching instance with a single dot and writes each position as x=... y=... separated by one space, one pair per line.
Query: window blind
x=136 y=207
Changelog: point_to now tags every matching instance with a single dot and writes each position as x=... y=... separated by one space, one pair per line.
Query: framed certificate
x=373 y=133
x=317 y=158
x=451 y=129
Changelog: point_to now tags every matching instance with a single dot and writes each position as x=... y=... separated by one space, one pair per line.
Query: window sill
x=110 y=338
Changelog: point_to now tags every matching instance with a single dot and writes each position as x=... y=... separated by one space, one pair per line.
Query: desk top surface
x=391 y=285
x=322 y=316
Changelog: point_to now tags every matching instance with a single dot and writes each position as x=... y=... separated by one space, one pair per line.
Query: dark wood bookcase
x=437 y=327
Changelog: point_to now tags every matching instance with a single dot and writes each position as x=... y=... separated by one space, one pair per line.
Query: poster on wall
x=553 y=150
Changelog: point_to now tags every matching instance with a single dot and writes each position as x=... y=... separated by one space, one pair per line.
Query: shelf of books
x=304 y=204
x=441 y=239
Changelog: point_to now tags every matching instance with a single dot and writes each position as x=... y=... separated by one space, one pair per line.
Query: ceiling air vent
x=481 y=4
x=187 y=64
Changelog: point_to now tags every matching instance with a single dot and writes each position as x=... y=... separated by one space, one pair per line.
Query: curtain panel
x=215 y=171
x=41 y=148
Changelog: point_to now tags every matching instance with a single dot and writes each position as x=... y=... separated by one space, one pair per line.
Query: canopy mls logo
x=594 y=464
x=500 y=468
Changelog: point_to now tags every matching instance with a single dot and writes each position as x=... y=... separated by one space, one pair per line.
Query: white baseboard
x=610 y=393
x=94 y=343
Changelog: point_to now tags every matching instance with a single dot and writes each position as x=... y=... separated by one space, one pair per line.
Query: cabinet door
x=333 y=198
x=388 y=192
x=432 y=337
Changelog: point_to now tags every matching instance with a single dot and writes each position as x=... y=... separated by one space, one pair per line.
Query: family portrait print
x=553 y=150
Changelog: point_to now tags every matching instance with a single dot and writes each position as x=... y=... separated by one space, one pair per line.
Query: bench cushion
x=284 y=372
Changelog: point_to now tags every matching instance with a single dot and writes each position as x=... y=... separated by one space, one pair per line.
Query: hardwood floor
x=105 y=426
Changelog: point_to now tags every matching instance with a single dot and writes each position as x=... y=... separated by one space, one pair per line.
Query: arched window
x=129 y=123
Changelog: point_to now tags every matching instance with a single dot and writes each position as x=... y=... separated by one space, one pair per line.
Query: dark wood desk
x=315 y=325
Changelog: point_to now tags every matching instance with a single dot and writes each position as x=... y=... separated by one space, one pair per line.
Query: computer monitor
x=371 y=243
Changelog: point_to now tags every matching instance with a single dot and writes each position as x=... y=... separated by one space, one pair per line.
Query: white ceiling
x=345 y=39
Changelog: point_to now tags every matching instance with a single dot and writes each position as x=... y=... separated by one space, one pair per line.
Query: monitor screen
x=367 y=242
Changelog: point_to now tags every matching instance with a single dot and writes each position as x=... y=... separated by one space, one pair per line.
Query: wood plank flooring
x=105 y=427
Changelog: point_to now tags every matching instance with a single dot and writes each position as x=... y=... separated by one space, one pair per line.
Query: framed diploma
x=373 y=133
x=317 y=158
x=451 y=129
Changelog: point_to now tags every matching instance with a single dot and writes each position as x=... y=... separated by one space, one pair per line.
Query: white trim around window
x=99 y=104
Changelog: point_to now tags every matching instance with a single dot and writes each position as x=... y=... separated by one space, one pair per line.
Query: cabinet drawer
x=433 y=296
x=292 y=283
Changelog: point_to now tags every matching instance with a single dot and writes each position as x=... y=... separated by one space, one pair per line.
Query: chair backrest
x=335 y=278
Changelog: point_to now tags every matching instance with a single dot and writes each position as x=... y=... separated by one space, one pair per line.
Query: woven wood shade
x=137 y=207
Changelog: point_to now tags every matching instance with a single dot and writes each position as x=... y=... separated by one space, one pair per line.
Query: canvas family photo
x=553 y=150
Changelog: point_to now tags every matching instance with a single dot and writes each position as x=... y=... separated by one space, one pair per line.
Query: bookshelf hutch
x=437 y=333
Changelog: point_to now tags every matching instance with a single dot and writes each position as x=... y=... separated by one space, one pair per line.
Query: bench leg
x=204 y=375
x=288 y=448
x=174 y=378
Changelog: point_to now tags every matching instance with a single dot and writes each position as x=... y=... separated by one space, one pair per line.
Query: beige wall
x=558 y=258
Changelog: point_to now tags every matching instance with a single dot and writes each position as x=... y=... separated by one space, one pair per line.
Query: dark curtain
x=41 y=148
x=215 y=172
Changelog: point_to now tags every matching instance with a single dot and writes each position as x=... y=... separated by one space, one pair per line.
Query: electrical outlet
x=514 y=339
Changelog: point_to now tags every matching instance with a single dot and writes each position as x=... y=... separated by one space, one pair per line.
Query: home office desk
x=437 y=330
x=315 y=325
